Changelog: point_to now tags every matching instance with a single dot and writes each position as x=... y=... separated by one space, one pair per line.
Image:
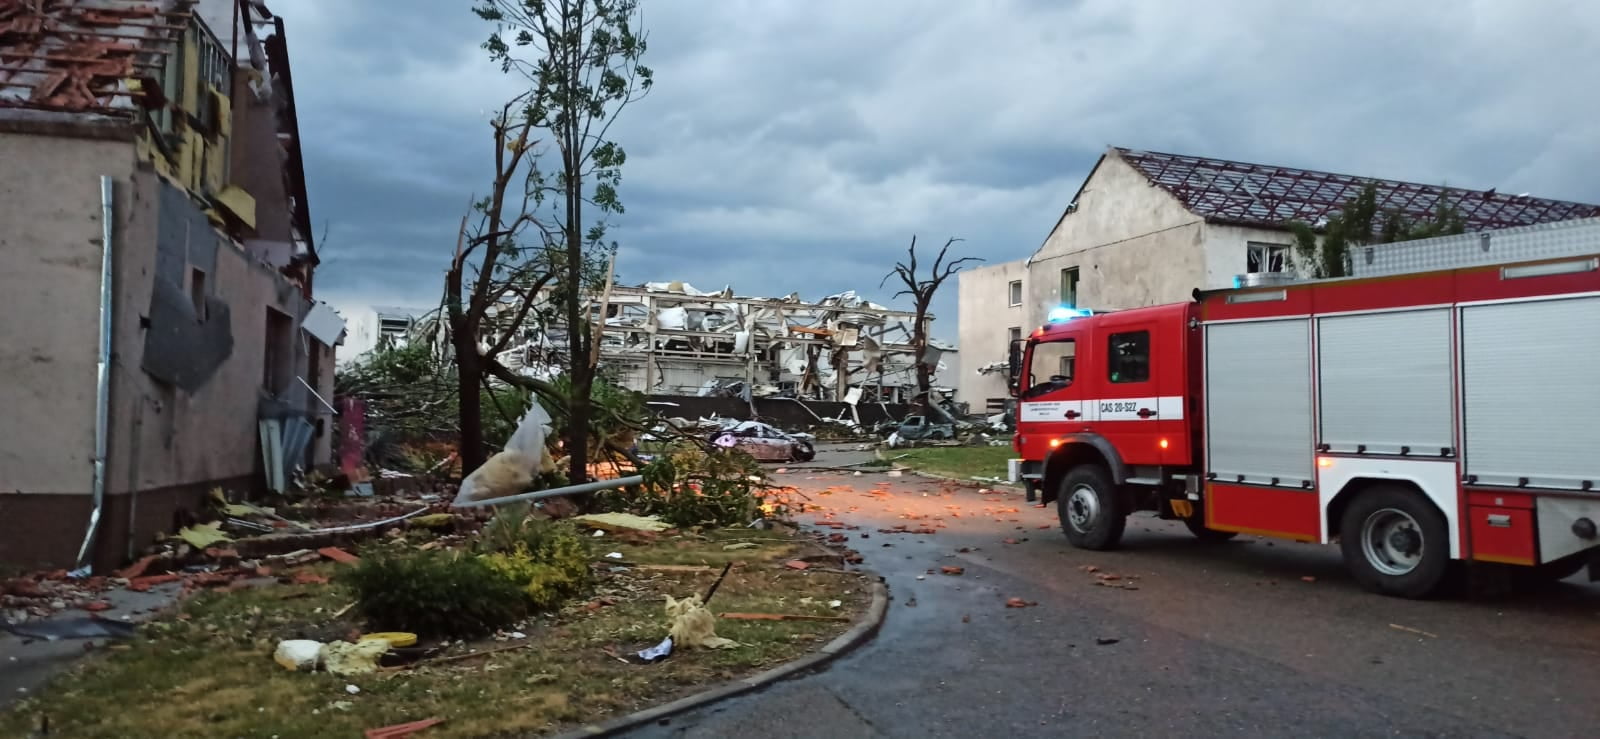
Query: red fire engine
x=1419 y=420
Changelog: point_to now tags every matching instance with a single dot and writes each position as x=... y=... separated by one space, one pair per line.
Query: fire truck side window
x=1053 y=360
x=1129 y=357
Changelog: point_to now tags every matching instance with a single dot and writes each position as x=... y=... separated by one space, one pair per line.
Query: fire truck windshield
x=1054 y=360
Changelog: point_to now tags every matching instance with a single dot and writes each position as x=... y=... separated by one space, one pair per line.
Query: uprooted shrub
x=548 y=559
x=437 y=593
x=691 y=487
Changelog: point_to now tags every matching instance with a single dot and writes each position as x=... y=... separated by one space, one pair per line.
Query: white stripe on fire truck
x=1167 y=408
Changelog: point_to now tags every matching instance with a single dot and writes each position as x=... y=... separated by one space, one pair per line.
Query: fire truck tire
x=1395 y=543
x=1197 y=526
x=1091 y=511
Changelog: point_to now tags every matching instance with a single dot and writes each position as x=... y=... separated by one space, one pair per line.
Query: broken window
x=277 y=356
x=1069 y=286
x=1016 y=292
x=197 y=292
x=1264 y=257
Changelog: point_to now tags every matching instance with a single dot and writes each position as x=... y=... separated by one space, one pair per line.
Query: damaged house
x=669 y=339
x=156 y=249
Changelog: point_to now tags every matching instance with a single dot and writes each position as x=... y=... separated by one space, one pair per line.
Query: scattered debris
x=622 y=522
x=201 y=536
x=1308 y=578
x=795 y=564
x=1410 y=630
x=399 y=731
x=614 y=555
x=1106 y=640
x=740 y=545
x=300 y=655
x=339 y=555
x=658 y=652
x=360 y=658
x=692 y=625
x=1019 y=603
x=952 y=570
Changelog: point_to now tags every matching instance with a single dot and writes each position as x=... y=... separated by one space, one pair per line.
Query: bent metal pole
x=588 y=487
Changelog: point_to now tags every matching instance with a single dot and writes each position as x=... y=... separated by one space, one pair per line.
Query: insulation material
x=672 y=319
x=693 y=625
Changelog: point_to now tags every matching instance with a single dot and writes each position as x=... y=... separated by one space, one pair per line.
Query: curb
x=858 y=634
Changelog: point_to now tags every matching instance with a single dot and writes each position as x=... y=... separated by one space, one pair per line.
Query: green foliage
x=691 y=487
x=435 y=593
x=615 y=407
x=548 y=559
x=1360 y=223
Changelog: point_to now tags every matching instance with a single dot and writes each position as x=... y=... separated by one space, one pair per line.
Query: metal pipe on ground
x=102 y=393
x=588 y=487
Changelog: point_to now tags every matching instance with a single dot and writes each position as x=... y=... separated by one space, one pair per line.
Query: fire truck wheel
x=1395 y=543
x=1197 y=526
x=1091 y=512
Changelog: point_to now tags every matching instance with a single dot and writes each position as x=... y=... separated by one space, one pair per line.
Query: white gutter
x=102 y=391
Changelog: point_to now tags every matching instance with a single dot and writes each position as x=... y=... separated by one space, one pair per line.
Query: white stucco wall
x=1227 y=248
x=984 y=316
x=1132 y=242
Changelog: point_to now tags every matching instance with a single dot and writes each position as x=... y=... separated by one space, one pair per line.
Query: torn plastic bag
x=531 y=432
x=511 y=471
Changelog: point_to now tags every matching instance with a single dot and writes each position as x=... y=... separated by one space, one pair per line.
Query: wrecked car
x=917 y=428
x=766 y=443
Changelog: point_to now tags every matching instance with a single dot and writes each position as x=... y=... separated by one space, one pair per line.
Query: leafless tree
x=921 y=290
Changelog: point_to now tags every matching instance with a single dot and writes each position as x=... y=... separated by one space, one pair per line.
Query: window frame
x=1076 y=281
x=1266 y=251
x=1014 y=293
x=1116 y=361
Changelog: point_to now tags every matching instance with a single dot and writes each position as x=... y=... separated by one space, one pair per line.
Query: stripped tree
x=921 y=291
x=495 y=266
x=581 y=60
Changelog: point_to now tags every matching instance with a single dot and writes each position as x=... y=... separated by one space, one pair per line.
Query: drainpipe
x=102 y=391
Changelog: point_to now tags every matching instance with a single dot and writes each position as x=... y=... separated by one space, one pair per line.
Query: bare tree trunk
x=577 y=326
x=919 y=339
x=469 y=372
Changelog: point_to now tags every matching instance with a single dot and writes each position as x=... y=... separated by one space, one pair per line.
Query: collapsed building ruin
x=667 y=338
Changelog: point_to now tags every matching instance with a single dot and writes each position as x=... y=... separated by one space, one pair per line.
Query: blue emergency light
x=1063 y=313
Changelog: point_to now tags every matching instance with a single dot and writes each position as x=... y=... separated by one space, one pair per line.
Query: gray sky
x=796 y=146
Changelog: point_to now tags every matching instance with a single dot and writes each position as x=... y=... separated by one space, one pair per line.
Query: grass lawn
x=963 y=462
x=208 y=671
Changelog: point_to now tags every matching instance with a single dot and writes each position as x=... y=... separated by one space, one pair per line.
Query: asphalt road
x=1247 y=638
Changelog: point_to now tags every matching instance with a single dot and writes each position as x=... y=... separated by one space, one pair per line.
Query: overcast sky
x=796 y=145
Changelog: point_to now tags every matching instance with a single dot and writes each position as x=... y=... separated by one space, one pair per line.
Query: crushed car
x=766 y=443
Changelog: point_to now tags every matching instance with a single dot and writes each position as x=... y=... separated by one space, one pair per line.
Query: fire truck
x=1422 y=421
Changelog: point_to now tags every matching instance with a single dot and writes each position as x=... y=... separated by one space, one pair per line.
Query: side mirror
x=1015 y=370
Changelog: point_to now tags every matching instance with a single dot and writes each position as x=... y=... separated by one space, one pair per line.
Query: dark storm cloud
x=797 y=146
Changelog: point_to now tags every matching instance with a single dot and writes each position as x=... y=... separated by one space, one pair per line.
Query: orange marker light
x=1324 y=462
x=1162 y=444
x=1055 y=443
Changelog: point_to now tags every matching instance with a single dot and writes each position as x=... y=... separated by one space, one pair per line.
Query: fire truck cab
x=1420 y=420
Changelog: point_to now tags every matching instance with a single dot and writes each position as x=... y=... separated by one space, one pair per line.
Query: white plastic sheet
x=510 y=471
